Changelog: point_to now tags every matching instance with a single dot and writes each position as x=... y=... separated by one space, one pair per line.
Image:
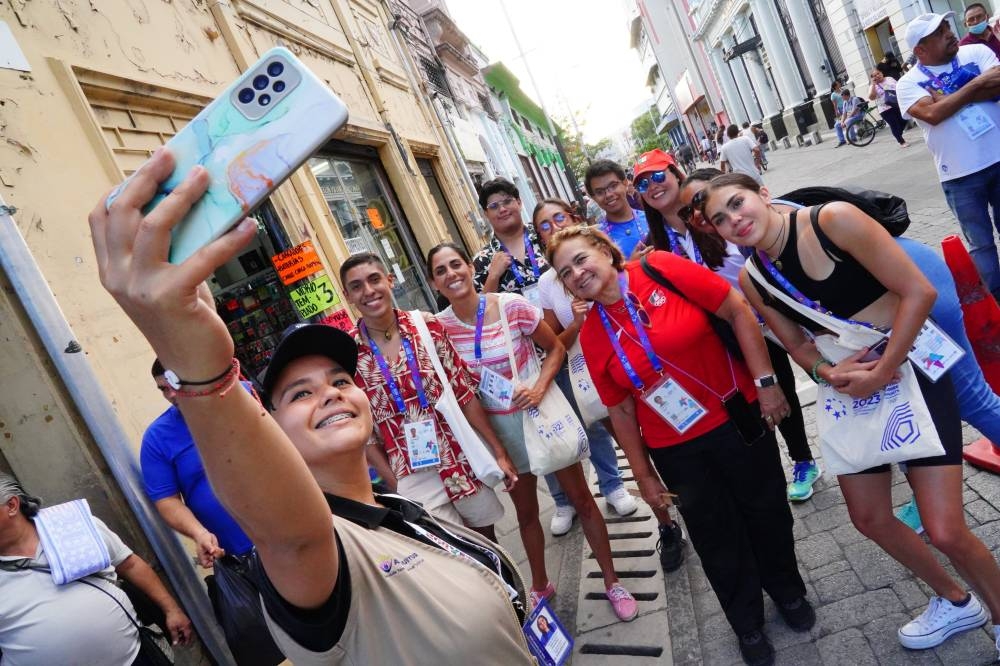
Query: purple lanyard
x=936 y=80
x=529 y=254
x=677 y=248
x=480 y=317
x=390 y=381
x=792 y=291
x=640 y=332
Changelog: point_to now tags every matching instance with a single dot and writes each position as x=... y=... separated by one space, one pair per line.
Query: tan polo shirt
x=413 y=603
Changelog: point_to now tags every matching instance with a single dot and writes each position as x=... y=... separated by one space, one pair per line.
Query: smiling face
x=686 y=200
x=319 y=407
x=609 y=192
x=739 y=215
x=551 y=218
x=584 y=268
x=661 y=196
x=451 y=274
x=369 y=289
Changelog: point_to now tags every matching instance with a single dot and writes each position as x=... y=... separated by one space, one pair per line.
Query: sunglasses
x=502 y=202
x=698 y=200
x=546 y=225
x=643 y=183
x=686 y=213
x=641 y=311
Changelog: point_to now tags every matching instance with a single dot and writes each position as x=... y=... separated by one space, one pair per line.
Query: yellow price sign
x=314 y=297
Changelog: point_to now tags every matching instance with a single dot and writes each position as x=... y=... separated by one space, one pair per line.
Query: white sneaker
x=941 y=620
x=562 y=520
x=619 y=500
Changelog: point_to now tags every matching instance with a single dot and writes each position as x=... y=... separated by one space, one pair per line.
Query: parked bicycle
x=862 y=132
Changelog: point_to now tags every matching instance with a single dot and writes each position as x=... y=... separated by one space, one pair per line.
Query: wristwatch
x=765 y=381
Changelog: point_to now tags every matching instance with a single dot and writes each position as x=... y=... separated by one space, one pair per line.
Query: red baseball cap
x=653 y=160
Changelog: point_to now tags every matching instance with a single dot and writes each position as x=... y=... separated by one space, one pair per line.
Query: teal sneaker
x=804 y=475
x=909 y=515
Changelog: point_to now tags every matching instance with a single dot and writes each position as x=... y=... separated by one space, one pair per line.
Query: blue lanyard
x=791 y=290
x=390 y=381
x=947 y=88
x=529 y=254
x=677 y=248
x=640 y=332
x=480 y=316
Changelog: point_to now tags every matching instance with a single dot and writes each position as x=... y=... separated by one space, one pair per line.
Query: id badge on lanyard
x=533 y=294
x=495 y=389
x=421 y=442
x=933 y=352
x=674 y=404
x=974 y=121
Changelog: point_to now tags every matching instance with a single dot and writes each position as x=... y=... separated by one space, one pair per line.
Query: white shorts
x=479 y=510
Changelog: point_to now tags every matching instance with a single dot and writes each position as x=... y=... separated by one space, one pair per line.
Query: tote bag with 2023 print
x=892 y=425
x=553 y=436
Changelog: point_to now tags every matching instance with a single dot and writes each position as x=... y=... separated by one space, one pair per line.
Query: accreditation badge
x=421 y=443
x=933 y=352
x=974 y=121
x=533 y=294
x=495 y=389
x=674 y=404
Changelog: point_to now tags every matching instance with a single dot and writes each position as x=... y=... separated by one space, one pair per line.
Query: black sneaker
x=798 y=614
x=756 y=650
x=671 y=547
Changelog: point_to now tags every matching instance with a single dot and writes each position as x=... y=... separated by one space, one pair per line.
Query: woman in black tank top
x=847 y=251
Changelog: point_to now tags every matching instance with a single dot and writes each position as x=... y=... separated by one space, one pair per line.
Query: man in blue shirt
x=607 y=184
x=176 y=483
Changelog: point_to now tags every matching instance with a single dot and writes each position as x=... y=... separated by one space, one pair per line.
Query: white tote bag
x=480 y=458
x=553 y=436
x=892 y=425
x=584 y=392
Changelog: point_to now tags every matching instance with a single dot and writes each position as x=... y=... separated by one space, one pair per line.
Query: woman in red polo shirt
x=677 y=398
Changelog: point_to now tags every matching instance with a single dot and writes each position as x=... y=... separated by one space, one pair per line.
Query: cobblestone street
x=861 y=595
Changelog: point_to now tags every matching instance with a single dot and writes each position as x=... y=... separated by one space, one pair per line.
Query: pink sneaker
x=536 y=596
x=623 y=602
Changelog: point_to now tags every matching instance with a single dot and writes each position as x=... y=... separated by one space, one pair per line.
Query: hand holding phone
x=875 y=352
x=249 y=139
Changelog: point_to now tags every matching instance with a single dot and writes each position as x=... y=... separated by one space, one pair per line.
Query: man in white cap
x=952 y=94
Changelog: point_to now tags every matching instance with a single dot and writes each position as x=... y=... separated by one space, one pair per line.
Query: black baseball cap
x=303 y=339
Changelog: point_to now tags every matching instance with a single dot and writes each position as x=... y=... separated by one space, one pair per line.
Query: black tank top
x=849 y=289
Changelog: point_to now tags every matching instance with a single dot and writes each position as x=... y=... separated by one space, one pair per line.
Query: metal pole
x=88 y=396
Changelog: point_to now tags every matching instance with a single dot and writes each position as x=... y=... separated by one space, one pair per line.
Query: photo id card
x=533 y=295
x=421 y=442
x=974 y=121
x=495 y=389
x=934 y=352
x=548 y=639
x=675 y=405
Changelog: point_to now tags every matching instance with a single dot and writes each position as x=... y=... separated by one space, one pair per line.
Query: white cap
x=924 y=25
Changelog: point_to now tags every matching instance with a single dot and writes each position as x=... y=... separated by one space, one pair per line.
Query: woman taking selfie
x=683 y=408
x=472 y=321
x=329 y=587
x=849 y=263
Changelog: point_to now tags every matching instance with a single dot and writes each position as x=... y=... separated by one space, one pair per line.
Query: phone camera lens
x=278 y=86
x=275 y=68
x=264 y=99
x=246 y=95
x=260 y=82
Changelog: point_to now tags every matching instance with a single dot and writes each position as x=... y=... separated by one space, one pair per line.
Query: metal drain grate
x=639 y=596
x=628 y=553
x=639 y=573
x=618 y=520
x=629 y=535
x=622 y=650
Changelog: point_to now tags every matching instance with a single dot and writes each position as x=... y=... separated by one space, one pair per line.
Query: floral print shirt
x=456 y=474
x=508 y=281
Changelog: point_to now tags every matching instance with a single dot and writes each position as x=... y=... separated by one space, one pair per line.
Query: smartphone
x=250 y=139
x=746 y=419
x=875 y=352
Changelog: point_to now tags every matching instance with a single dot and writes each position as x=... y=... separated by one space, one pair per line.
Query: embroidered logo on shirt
x=390 y=566
x=657 y=298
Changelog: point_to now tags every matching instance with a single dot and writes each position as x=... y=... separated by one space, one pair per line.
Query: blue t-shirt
x=171 y=465
x=626 y=235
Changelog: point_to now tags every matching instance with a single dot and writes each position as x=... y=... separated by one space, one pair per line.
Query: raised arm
x=254 y=468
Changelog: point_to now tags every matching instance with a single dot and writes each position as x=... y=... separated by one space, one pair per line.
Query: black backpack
x=887 y=209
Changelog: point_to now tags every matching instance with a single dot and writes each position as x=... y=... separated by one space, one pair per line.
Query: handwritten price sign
x=315 y=296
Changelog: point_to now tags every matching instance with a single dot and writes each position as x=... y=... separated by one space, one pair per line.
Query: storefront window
x=250 y=297
x=369 y=222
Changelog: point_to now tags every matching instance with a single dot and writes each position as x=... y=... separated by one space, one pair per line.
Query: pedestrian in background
x=883 y=91
x=740 y=154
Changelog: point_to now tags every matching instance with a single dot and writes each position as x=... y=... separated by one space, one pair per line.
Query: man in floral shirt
x=402 y=403
x=513 y=260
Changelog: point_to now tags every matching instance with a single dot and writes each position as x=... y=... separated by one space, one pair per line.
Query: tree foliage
x=579 y=153
x=644 y=136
